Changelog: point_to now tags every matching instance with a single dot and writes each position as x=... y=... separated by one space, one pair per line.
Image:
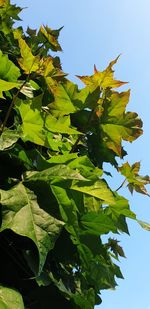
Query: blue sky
x=95 y=32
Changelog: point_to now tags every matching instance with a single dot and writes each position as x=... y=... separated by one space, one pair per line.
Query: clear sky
x=95 y=32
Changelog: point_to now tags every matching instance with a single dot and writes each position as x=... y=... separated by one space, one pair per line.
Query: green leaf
x=55 y=173
x=115 y=248
x=5 y=86
x=36 y=124
x=63 y=99
x=8 y=139
x=135 y=181
x=32 y=121
x=60 y=125
x=10 y=298
x=8 y=70
x=43 y=229
x=121 y=207
x=98 y=189
x=117 y=125
x=86 y=168
x=97 y=223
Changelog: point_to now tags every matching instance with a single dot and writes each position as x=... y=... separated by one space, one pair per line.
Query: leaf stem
x=11 y=106
x=122 y=184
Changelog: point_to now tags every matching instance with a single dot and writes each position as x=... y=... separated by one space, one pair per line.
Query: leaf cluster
x=55 y=201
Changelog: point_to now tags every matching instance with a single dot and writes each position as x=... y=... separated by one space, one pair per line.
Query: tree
x=55 y=200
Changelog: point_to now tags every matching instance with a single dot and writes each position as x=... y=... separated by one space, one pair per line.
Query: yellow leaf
x=104 y=79
x=29 y=63
x=2 y=2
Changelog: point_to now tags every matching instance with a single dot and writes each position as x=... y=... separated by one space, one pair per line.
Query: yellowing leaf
x=144 y=225
x=63 y=100
x=46 y=66
x=104 y=79
x=29 y=63
x=117 y=125
x=135 y=181
x=3 y=2
x=52 y=37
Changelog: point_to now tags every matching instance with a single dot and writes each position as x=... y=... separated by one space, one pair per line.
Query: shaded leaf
x=115 y=248
x=97 y=224
x=43 y=229
x=7 y=139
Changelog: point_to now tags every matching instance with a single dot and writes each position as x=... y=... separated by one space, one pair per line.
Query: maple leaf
x=135 y=181
x=116 y=124
x=104 y=79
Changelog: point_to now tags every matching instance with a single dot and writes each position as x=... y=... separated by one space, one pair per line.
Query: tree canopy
x=56 y=203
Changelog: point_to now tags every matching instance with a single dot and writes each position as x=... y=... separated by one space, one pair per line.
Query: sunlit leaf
x=5 y=86
x=104 y=79
x=135 y=181
x=118 y=125
x=98 y=189
x=63 y=103
x=8 y=70
x=144 y=225
x=10 y=298
x=29 y=63
x=2 y=2
x=51 y=37
x=60 y=125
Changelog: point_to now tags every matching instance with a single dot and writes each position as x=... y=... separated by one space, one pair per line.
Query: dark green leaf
x=43 y=229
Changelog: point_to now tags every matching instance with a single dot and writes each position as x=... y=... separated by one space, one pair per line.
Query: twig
x=75 y=144
x=11 y=106
x=121 y=185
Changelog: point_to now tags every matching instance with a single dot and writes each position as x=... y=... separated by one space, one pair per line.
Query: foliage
x=55 y=201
